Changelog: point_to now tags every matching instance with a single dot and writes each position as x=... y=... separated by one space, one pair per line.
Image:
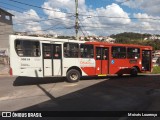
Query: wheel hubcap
x=74 y=76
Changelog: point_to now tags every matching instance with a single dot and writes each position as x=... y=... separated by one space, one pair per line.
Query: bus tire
x=73 y=75
x=134 y=72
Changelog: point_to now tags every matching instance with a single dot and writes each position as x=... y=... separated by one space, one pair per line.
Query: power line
x=81 y=27
x=31 y=14
x=12 y=5
x=82 y=31
x=50 y=28
x=42 y=30
x=65 y=21
x=83 y=14
x=99 y=16
x=39 y=7
x=110 y=16
x=26 y=22
x=115 y=17
x=18 y=7
x=55 y=19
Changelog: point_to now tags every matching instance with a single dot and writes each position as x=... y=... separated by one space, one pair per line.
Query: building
x=156 y=53
x=98 y=38
x=6 y=28
x=110 y=40
x=154 y=37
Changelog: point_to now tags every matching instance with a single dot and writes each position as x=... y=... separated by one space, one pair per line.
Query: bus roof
x=117 y=44
x=43 y=39
x=68 y=40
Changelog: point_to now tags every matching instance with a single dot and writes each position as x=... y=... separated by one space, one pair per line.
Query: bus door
x=52 y=59
x=146 y=60
x=102 y=57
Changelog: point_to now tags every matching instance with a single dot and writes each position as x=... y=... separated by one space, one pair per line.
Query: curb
x=7 y=75
x=150 y=74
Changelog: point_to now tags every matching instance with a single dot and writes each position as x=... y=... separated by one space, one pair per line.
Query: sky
x=96 y=17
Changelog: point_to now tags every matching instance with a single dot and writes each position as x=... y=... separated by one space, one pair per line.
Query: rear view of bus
x=25 y=57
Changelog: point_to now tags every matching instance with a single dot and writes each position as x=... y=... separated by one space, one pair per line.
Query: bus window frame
x=47 y=52
x=22 y=47
x=65 y=51
x=88 y=54
x=133 y=52
x=118 y=52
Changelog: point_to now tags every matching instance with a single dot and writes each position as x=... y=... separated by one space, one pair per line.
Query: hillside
x=137 y=38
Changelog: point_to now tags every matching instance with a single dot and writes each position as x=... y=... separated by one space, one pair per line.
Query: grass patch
x=156 y=70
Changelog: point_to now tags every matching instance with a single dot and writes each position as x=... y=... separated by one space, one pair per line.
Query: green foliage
x=154 y=43
x=85 y=39
x=129 y=36
x=136 y=38
x=156 y=69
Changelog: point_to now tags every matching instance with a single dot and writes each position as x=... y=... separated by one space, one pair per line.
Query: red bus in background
x=48 y=57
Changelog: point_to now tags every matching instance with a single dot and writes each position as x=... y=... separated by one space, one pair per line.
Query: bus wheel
x=134 y=72
x=73 y=75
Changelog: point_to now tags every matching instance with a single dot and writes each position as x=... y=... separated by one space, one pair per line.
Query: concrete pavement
x=140 y=93
x=4 y=69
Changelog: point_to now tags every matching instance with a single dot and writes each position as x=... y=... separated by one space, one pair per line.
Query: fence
x=4 y=60
x=4 y=65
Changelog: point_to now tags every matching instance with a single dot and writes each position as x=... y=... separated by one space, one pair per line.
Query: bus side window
x=36 y=48
x=18 y=48
x=98 y=54
x=66 y=54
x=71 y=50
x=133 y=53
x=57 y=52
x=86 y=51
x=47 y=52
x=119 y=52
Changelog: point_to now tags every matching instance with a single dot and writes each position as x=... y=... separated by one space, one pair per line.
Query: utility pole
x=76 y=21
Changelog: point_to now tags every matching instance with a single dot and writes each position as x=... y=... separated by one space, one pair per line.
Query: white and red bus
x=48 y=57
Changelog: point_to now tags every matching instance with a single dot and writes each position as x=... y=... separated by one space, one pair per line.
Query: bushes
x=156 y=70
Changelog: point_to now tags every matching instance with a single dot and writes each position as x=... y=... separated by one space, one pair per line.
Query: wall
x=5 y=29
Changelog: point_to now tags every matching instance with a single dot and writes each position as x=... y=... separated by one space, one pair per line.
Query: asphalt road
x=126 y=93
